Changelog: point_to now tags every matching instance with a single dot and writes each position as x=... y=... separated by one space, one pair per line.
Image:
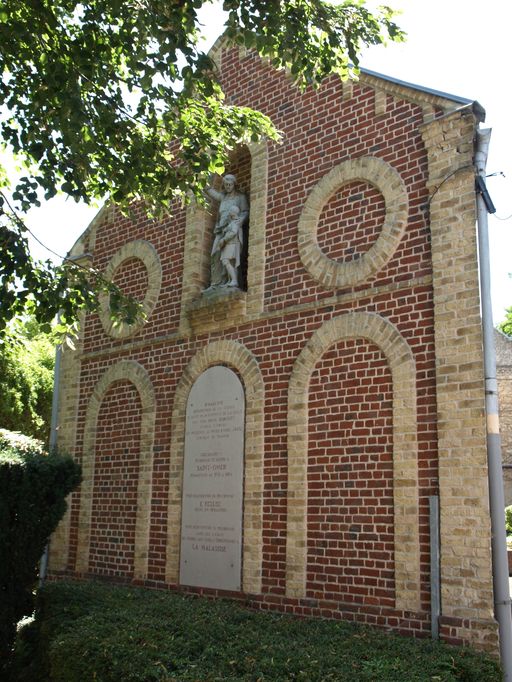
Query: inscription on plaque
x=211 y=515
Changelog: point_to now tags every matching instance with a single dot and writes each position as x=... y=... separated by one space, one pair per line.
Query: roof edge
x=405 y=84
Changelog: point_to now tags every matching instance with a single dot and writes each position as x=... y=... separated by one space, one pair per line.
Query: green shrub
x=27 y=358
x=33 y=487
x=508 y=520
x=91 y=631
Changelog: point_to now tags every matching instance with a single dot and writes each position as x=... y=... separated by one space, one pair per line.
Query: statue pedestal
x=216 y=309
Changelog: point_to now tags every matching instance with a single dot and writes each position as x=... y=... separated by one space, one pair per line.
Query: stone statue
x=230 y=245
x=232 y=215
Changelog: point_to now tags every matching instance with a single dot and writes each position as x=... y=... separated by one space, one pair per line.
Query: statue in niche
x=232 y=215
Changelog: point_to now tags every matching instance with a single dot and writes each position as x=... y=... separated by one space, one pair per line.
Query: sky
x=462 y=47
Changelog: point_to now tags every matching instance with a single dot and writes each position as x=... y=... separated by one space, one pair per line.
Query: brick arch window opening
x=356 y=211
x=350 y=533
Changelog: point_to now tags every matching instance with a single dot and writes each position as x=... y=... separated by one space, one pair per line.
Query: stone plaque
x=213 y=470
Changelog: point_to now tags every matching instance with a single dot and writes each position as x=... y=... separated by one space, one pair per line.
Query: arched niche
x=233 y=355
x=250 y=164
x=240 y=165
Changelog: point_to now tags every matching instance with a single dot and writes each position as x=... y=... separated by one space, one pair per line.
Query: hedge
x=92 y=631
x=33 y=488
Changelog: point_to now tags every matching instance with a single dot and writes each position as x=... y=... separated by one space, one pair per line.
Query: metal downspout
x=502 y=604
x=43 y=564
x=435 y=568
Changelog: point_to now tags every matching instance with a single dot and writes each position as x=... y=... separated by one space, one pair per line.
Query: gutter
x=502 y=603
x=415 y=86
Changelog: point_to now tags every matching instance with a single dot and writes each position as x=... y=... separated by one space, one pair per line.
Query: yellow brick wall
x=466 y=571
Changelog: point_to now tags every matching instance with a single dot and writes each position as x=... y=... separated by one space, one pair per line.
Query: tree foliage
x=33 y=488
x=115 y=98
x=505 y=325
x=26 y=368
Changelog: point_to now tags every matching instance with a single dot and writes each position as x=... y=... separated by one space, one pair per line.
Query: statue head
x=229 y=182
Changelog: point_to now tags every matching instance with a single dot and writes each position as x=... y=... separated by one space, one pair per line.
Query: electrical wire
x=23 y=226
x=458 y=170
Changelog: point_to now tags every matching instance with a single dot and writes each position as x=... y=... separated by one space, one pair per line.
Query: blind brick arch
x=405 y=449
x=134 y=372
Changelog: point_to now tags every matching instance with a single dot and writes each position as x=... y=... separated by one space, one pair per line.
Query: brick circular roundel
x=334 y=274
x=145 y=252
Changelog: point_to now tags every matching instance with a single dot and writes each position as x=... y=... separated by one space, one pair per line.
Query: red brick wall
x=320 y=130
x=351 y=221
x=132 y=278
x=240 y=167
x=116 y=472
x=350 y=477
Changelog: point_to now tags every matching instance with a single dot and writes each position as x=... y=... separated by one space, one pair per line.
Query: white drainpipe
x=502 y=604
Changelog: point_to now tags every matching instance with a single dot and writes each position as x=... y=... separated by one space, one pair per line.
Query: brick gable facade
x=357 y=341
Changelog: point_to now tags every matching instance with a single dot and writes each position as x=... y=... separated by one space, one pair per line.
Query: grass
x=91 y=631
